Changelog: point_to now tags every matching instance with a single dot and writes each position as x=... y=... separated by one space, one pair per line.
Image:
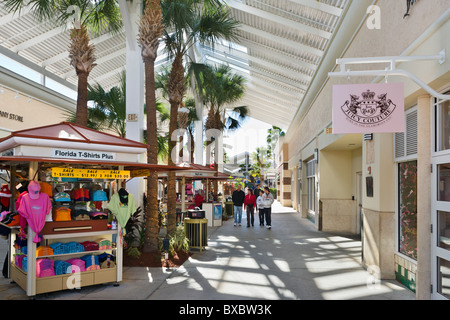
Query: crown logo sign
x=368 y=95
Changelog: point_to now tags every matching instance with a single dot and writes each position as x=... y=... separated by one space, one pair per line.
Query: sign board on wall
x=90 y=173
x=82 y=154
x=368 y=108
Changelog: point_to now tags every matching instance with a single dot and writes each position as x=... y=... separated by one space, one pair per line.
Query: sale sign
x=368 y=108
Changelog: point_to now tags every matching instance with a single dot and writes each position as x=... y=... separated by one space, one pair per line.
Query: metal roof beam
x=36 y=40
x=284 y=41
x=63 y=55
x=268 y=81
x=27 y=63
x=269 y=102
x=268 y=113
x=295 y=96
x=299 y=26
x=271 y=117
x=273 y=92
x=286 y=81
x=275 y=53
x=266 y=95
x=242 y=55
x=7 y=18
x=314 y=4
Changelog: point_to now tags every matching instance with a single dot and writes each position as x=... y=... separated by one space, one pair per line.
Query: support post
x=131 y=11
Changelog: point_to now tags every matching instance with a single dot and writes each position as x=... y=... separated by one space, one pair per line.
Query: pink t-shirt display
x=35 y=211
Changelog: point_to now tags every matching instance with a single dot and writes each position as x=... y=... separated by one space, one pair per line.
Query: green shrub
x=177 y=242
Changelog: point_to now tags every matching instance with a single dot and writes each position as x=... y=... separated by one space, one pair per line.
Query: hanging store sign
x=90 y=173
x=82 y=154
x=368 y=108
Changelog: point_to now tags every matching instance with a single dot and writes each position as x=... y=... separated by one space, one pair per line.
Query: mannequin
x=34 y=207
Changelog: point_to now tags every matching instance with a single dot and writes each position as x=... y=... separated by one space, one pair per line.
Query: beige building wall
x=424 y=32
x=18 y=112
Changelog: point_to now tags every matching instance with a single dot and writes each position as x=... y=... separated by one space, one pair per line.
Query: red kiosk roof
x=67 y=131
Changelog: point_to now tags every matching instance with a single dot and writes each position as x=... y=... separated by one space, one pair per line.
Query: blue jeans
x=237 y=214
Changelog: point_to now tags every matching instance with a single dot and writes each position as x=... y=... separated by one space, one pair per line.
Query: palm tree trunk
x=151 y=221
x=176 y=91
x=82 y=112
x=216 y=153
x=171 y=177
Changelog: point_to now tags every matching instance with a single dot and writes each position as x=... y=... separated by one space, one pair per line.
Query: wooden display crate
x=60 y=282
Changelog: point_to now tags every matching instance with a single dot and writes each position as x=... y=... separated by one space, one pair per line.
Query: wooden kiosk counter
x=80 y=169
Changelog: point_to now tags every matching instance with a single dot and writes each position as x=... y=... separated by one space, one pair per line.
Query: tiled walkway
x=290 y=261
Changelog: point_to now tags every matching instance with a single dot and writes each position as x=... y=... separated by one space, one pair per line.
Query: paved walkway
x=290 y=261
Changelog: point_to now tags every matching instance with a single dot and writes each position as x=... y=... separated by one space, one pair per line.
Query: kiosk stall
x=80 y=174
x=213 y=209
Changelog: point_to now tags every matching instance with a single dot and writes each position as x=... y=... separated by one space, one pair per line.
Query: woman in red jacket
x=250 y=204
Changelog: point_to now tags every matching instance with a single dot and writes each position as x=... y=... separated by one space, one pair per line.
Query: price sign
x=90 y=173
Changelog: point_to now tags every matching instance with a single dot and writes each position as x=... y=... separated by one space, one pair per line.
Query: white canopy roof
x=281 y=45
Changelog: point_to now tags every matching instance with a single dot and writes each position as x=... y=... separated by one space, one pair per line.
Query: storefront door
x=440 y=218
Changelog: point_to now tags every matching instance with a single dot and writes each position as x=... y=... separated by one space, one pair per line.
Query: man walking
x=238 y=200
x=250 y=204
x=267 y=200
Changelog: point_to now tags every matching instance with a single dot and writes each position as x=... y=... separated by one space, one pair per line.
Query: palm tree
x=261 y=159
x=188 y=22
x=151 y=28
x=219 y=87
x=108 y=112
x=95 y=17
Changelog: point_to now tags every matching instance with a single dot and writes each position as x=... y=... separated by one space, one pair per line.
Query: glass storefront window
x=444 y=182
x=445 y=126
x=444 y=229
x=444 y=277
x=407 y=177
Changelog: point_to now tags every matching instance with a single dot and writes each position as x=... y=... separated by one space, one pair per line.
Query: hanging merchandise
x=34 y=207
x=46 y=188
x=122 y=205
x=61 y=214
x=5 y=196
x=62 y=197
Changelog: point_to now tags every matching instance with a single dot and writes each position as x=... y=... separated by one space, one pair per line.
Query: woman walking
x=259 y=207
x=250 y=204
x=267 y=200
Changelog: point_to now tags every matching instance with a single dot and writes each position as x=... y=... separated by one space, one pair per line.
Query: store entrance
x=440 y=236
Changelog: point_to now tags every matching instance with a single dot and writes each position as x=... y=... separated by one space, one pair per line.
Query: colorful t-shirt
x=35 y=211
x=121 y=211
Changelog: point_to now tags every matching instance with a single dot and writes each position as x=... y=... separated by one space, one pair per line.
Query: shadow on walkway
x=290 y=261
